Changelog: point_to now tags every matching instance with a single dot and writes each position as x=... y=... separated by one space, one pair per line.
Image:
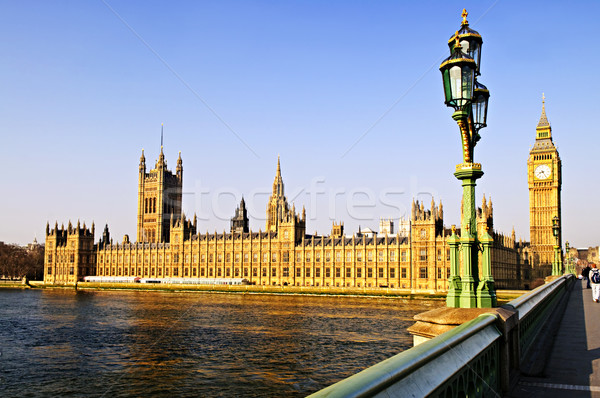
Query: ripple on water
x=115 y=343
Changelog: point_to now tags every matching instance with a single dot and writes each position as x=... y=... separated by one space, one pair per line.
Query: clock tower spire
x=545 y=181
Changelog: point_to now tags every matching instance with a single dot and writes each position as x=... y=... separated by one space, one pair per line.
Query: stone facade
x=70 y=254
x=169 y=246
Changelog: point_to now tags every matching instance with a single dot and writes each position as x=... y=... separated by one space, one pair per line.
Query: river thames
x=134 y=343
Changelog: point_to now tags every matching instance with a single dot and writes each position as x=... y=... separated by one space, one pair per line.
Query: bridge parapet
x=477 y=358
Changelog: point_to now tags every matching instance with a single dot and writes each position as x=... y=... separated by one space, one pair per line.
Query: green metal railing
x=534 y=309
x=473 y=359
x=463 y=361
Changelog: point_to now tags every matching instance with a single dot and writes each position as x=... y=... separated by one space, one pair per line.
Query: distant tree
x=17 y=261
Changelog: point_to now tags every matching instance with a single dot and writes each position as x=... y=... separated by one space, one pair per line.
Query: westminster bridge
x=545 y=343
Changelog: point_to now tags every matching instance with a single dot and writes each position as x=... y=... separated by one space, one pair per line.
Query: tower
x=159 y=199
x=239 y=222
x=278 y=206
x=544 y=180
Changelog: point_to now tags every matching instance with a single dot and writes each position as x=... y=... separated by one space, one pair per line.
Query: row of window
x=62 y=258
x=285 y=257
x=237 y=272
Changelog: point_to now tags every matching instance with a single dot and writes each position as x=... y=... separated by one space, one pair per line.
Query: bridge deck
x=573 y=367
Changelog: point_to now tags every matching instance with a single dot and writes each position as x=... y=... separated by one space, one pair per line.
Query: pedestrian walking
x=595 y=279
x=586 y=275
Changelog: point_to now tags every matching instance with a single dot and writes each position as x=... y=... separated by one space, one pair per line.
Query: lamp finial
x=464 y=16
x=457 y=42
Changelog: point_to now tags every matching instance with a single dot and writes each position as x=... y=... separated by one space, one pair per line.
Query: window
x=266 y=257
x=264 y=272
x=359 y=272
x=255 y=257
x=369 y=272
x=327 y=272
x=448 y=255
x=228 y=257
x=254 y=271
x=175 y=271
x=423 y=255
x=392 y=272
x=186 y=271
x=220 y=258
x=49 y=270
x=273 y=272
x=381 y=256
x=286 y=234
x=274 y=258
x=423 y=272
x=338 y=257
x=246 y=257
x=403 y=272
x=175 y=258
x=439 y=273
x=370 y=255
x=318 y=257
x=237 y=257
x=307 y=272
x=348 y=272
x=285 y=272
x=359 y=256
x=210 y=258
x=237 y=272
x=317 y=272
x=194 y=272
x=219 y=272
x=328 y=256
x=286 y=257
x=380 y=274
x=201 y=271
x=245 y=272
x=393 y=255
x=299 y=257
x=338 y=272
x=228 y=272
x=403 y=255
x=423 y=233
x=448 y=273
x=298 y=272
x=210 y=272
x=439 y=255
x=349 y=256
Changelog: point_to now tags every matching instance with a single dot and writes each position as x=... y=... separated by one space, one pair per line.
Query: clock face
x=542 y=172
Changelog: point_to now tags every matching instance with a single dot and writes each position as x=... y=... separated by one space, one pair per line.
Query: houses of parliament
x=416 y=257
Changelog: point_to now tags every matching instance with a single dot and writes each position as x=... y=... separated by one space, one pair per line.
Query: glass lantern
x=458 y=76
x=481 y=96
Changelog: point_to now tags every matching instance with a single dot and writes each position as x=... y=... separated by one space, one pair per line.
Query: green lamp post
x=468 y=287
x=569 y=265
x=557 y=263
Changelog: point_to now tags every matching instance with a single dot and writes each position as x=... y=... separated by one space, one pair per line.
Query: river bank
x=502 y=295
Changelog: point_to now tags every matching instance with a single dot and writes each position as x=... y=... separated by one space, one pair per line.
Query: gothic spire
x=278 y=183
x=543 y=118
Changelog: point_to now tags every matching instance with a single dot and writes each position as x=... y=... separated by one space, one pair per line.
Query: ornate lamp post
x=469 y=99
x=568 y=266
x=557 y=263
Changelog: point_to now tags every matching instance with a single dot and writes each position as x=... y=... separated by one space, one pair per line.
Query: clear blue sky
x=347 y=92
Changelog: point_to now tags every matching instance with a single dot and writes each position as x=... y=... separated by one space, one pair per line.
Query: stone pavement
x=573 y=366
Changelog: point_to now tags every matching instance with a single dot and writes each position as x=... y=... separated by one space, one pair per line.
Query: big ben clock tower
x=545 y=179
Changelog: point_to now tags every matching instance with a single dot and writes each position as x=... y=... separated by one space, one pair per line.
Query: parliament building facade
x=168 y=245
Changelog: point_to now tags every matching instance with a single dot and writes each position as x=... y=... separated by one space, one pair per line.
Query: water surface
x=132 y=343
